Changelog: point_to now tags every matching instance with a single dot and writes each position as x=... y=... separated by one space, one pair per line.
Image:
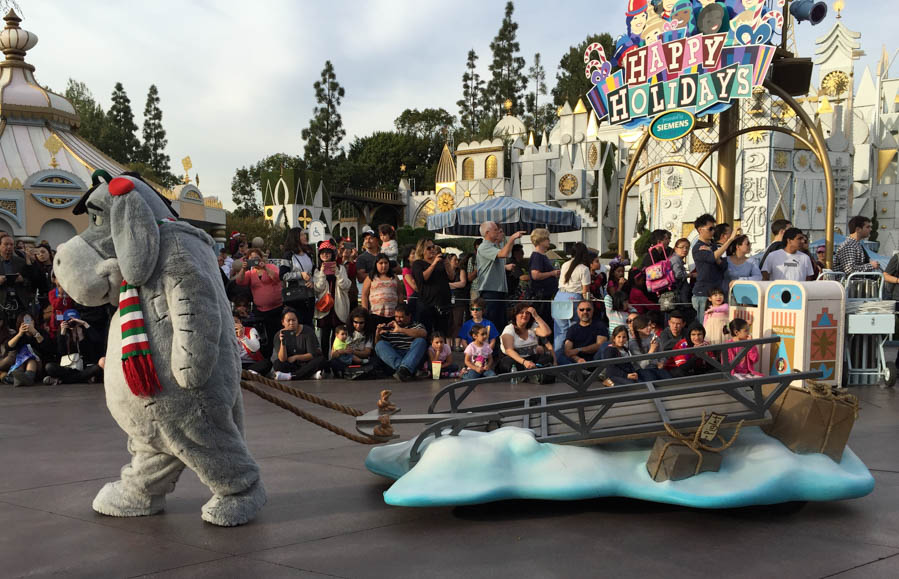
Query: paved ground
x=326 y=518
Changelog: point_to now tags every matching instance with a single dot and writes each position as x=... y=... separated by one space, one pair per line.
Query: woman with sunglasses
x=433 y=281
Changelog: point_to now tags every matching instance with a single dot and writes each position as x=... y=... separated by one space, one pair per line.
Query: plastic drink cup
x=435 y=369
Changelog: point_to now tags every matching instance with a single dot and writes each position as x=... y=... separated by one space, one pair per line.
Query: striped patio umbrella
x=509 y=213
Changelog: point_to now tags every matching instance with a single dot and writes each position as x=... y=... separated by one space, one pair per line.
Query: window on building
x=468 y=169
x=490 y=167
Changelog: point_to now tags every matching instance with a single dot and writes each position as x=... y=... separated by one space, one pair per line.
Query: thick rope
x=306 y=416
x=300 y=394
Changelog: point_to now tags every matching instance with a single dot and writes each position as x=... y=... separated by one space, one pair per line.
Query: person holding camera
x=16 y=289
x=401 y=344
x=264 y=280
x=78 y=357
x=432 y=280
x=298 y=292
x=29 y=344
x=297 y=354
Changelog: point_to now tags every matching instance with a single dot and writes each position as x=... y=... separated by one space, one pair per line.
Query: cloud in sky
x=235 y=78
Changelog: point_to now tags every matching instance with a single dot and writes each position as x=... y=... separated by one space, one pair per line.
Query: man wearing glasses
x=584 y=339
x=708 y=256
x=491 y=280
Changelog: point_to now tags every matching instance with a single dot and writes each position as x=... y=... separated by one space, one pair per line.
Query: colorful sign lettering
x=695 y=55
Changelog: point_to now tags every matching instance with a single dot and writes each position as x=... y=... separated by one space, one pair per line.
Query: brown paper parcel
x=813 y=419
x=671 y=461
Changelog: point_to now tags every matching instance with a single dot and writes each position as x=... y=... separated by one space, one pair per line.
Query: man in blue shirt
x=711 y=266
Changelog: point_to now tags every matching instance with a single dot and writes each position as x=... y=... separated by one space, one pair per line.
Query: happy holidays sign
x=693 y=55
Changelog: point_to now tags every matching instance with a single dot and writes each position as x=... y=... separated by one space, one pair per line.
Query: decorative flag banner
x=698 y=56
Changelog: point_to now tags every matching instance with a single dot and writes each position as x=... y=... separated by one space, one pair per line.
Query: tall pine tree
x=537 y=80
x=120 y=140
x=325 y=131
x=471 y=105
x=571 y=82
x=154 y=137
x=508 y=80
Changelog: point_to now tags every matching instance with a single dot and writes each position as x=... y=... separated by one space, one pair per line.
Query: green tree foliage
x=119 y=139
x=246 y=185
x=427 y=123
x=325 y=131
x=373 y=162
x=471 y=105
x=406 y=235
x=571 y=82
x=508 y=80
x=155 y=140
x=93 y=118
x=255 y=226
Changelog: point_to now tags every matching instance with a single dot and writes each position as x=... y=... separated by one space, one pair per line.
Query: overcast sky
x=235 y=78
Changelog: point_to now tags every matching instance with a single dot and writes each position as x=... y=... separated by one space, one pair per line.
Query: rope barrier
x=306 y=416
x=300 y=394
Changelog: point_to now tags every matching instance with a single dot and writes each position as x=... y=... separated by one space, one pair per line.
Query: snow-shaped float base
x=508 y=463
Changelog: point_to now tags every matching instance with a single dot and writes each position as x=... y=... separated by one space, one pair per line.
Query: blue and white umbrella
x=509 y=213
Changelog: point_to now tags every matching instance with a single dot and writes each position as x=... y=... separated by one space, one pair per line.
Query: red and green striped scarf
x=137 y=363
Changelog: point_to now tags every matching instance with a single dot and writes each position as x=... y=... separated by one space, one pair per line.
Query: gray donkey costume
x=193 y=416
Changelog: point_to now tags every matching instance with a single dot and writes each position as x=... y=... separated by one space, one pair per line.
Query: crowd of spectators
x=304 y=311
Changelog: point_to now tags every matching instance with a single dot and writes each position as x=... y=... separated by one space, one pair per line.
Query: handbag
x=72 y=361
x=296 y=290
x=325 y=303
x=659 y=275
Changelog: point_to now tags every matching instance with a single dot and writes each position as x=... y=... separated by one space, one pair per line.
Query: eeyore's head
x=122 y=240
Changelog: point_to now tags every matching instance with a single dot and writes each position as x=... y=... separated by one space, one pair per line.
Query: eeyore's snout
x=85 y=275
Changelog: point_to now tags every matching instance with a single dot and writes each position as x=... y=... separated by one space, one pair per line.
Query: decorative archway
x=57 y=231
x=816 y=145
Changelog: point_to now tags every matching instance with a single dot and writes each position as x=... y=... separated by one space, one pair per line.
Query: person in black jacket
x=78 y=353
x=297 y=355
x=16 y=280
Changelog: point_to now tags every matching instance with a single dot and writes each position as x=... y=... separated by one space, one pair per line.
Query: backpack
x=659 y=275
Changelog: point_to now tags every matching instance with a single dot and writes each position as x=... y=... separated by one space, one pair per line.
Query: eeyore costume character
x=172 y=372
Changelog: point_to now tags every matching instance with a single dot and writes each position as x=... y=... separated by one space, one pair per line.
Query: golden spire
x=579 y=107
x=531 y=139
x=838 y=6
x=446 y=168
x=185 y=162
x=508 y=106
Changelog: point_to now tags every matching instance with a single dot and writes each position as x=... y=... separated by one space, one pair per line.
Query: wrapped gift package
x=813 y=418
x=670 y=459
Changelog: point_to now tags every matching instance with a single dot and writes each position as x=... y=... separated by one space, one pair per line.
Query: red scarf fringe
x=140 y=374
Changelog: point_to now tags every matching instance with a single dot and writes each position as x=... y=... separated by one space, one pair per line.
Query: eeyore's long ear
x=135 y=233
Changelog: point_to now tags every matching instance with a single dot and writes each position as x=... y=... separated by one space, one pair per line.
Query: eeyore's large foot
x=117 y=500
x=237 y=509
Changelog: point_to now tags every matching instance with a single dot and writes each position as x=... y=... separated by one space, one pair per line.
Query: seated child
x=478 y=355
x=477 y=317
x=249 y=348
x=439 y=351
x=340 y=349
x=616 y=347
x=689 y=364
x=745 y=368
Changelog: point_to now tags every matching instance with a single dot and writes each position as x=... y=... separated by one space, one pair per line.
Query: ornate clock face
x=568 y=184
x=835 y=83
x=445 y=202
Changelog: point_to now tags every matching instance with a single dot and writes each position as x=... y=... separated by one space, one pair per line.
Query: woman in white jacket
x=330 y=279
